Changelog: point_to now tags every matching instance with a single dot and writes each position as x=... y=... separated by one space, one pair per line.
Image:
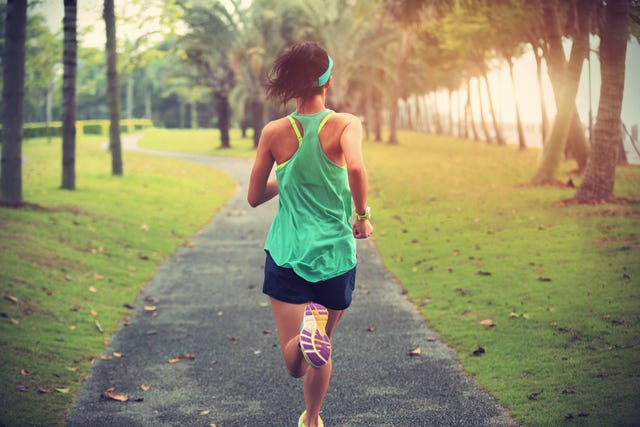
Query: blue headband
x=324 y=78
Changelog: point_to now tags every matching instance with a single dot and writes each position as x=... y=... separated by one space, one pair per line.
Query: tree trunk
x=224 y=115
x=555 y=146
x=522 y=144
x=599 y=177
x=469 y=109
x=113 y=89
x=13 y=102
x=449 y=94
x=377 y=115
x=576 y=145
x=69 y=59
x=543 y=106
x=257 y=120
x=130 y=84
x=436 y=114
x=483 y=123
x=393 y=122
x=496 y=126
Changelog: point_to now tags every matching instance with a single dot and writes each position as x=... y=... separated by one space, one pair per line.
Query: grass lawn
x=201 y=141
x=470 y=241
x=73 y=263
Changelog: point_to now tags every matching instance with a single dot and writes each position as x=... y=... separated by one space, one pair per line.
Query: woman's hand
x=362 y=229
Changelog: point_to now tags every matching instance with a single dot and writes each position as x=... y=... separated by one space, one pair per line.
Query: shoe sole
x=314 y=341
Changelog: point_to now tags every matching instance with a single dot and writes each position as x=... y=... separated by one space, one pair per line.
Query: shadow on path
x=209 y=304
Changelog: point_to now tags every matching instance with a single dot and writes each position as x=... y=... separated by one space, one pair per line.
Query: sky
x=90 y=14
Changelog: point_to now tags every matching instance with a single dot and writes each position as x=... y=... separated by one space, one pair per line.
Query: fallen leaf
x=543 y=279
x=23 y=388
x=72 y=327
x=25 y=373
x=371 y=329
x=266 y=332
x=487 y=322
x=479 y=351
x=174 y=360
x=188 y=244
x=72 y=368
x=203 y=411
x=187 y=356
x=109 y=393
x=234 y=339
x=93 y=313
x=145 y=387
x=483 y=273
x=416 y=351
x=98 y=326
x=42 y=389
x=513 y=314
x=144 y=227
x=92 y=289
x=64 y=390
x=14 y=321
x=11 y=298
x=150 y=308
x=98 y=276
x=553 y=324
x=117 y=354
x=534 y=395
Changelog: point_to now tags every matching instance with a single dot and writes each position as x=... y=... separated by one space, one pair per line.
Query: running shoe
x=301 y=423
x=314 y=341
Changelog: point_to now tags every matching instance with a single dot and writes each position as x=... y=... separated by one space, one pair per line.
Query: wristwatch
x=365 y=215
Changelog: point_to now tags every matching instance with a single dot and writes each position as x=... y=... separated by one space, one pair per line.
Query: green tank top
x=311 y=232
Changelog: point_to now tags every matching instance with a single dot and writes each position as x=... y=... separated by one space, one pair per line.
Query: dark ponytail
x=295 y=72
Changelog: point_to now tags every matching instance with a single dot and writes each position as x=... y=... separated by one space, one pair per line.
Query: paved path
x=209 y=304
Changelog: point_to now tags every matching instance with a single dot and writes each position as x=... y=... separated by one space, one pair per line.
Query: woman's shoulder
x=342 y=120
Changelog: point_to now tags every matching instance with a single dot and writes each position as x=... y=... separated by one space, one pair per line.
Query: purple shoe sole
x=314 y=341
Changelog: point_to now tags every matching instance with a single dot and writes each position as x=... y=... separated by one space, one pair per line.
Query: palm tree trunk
x=555 y=146
x=113 y=89
x=543 y=106
x=483 y=123
x=223 y=110
x=522 y=144
x=12 y=102
x=576 y=144
x=469 y=110
x=599 y=177
x=496 y=126
x=69 y=96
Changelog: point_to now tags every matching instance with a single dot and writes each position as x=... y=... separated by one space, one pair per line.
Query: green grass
x=469 y=240
x=201 y=141
x=74 y=258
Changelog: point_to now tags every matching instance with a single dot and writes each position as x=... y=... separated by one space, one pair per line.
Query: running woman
x=321 y=182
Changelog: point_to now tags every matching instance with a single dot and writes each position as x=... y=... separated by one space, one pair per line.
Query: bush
x=90 y=127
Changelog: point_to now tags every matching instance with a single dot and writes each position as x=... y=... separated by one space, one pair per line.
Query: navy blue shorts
x=285 y=285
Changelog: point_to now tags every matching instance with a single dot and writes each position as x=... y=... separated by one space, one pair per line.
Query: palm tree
x=557 y=141
x=600 y=173
x=12 y=102
x=69 y=96
x=113 y=89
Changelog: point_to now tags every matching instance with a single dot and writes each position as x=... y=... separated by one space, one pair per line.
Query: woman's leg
x=316 y=381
